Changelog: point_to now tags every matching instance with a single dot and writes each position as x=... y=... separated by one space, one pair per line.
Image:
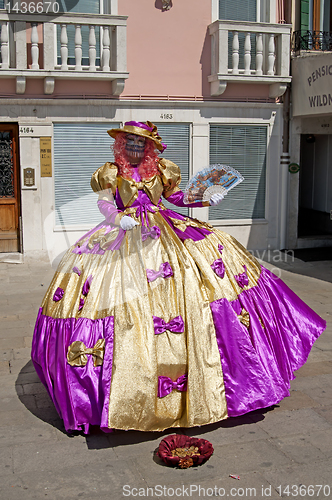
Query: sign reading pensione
x=312 y=84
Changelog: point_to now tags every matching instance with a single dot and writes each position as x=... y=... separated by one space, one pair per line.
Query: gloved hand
x=127 y=223
x=216 y=198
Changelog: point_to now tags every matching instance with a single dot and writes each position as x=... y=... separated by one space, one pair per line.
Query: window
x=244 y=148
x=315 y=15
x=239 y=10
x=84 y=7
x=177 y=138
x=79 y=149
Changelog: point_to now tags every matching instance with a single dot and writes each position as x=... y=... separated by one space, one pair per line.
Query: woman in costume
x=155 y=320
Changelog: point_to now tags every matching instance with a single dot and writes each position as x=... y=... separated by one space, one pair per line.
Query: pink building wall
x=168 y=52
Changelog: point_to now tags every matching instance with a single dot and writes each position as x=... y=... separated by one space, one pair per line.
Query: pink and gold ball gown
x=170 y=324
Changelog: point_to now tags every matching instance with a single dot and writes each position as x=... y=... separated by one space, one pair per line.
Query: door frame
x=14 y=128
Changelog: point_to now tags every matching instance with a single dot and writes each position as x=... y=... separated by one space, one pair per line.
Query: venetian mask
x=135 y=148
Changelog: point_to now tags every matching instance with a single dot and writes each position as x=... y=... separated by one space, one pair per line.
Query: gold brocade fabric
x=189 y=222
x=119 y=288
x=244 y=317
x=105 y=178
x=234 y=257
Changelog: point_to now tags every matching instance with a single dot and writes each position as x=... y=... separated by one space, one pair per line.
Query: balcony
x=311 y=40
x=36 y=46
x=247 y=52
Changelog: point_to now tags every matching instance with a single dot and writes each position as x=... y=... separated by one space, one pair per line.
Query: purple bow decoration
x=242 y=279
x=165 y=271
x=176 y=325
x=218 y=265
x=142 y=212
x=80 y=307
x=87 y=284
x=219 y=268
x=77 y=271
x=154 y=232
x=166 y=385
x=58 y=294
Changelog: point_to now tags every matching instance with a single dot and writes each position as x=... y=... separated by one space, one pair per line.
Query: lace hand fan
x=214 y=179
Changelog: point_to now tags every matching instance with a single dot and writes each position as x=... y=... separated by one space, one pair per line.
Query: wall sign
x=46 y=156
x=312 y=84
x=293 y=168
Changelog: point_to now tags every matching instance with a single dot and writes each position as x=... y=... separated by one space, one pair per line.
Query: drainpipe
x=284 y=163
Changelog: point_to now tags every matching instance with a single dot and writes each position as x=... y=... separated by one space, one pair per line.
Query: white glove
x=127 y=223
x=215 y=199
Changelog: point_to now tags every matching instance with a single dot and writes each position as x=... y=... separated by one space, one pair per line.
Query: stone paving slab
x=288 y=444
x=318 y=388
x=287 y=423
x=296 y=475
x=300 y=448
x=89 y=480
x=296 y=401
x=317 y=355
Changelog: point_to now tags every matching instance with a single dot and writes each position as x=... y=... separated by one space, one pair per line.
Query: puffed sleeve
x=170 y=176
x=105 y=178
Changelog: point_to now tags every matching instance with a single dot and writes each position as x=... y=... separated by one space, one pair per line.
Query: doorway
x=315 y=196
x=9 y=188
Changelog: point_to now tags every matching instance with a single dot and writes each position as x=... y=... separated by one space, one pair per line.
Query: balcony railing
x=247 y=52
x=29 y=48
x=312 y=40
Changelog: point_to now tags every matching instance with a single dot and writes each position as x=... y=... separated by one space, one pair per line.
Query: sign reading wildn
x=312 y=84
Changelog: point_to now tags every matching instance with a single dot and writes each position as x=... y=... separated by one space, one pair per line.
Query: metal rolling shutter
x=79 y=149
x=243 y=147
x=177 y=138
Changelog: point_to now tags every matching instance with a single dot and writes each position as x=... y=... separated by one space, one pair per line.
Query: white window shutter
x=244 y=148
x=177 y=138
x=237 y=10
x=79 y=149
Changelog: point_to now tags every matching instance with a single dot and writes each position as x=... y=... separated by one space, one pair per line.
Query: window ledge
x=238 y=222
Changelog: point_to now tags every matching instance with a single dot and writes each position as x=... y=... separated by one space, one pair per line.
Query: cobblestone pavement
x=285 y=446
